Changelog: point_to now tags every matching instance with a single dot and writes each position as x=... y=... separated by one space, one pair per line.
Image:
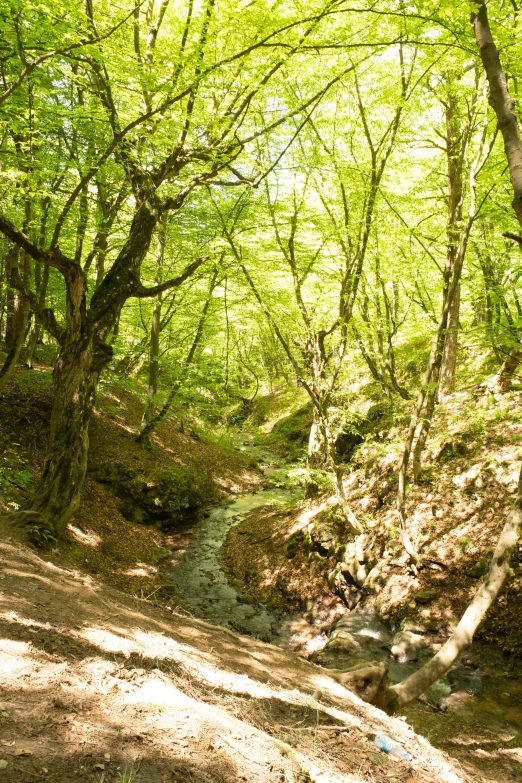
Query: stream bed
x=479 y=701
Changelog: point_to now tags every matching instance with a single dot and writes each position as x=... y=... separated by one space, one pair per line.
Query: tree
x=414 y=685
x=191 y=124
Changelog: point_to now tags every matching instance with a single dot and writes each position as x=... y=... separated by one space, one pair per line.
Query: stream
x=480 y=697
x=199 y=577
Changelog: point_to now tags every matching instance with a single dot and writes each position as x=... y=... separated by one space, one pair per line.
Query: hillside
x=99 y=686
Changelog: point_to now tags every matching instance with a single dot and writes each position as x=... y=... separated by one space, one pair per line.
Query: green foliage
x=40 y=536
x=15 y=478
x=127 y=776
x=289 y=436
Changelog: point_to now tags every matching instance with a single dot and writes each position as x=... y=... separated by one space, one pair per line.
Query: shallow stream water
x=200 y=578
x=482 y=692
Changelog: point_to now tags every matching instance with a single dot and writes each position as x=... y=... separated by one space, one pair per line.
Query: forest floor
x=100 y=683
x=455 y=513
x=103 y=687
x=131 y=562
x=119 y=686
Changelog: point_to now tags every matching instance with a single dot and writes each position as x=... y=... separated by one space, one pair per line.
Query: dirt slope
x=98 y=686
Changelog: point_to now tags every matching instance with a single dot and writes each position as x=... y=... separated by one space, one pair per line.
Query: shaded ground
x=102 y=542
x=99 y=686
x=455 y=514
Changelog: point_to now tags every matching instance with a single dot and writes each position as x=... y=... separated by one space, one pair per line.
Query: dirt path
x=98 y=686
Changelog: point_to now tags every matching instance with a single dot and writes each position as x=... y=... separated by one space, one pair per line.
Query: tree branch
x=52 y=257
x=143 y=292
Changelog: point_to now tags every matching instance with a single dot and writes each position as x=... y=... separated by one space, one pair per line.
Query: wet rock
x=439 y=691
x=407 y=646
x=165 y=501
x=342 y=640
x=421 y=626
x=452 y=448
x=478 y=570
x=425 y=596
x=346 y=443
x=456 y=700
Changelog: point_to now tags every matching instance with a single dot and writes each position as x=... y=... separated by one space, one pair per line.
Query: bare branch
x=143 y=292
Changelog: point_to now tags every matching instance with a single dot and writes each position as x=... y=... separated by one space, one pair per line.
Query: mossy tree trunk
x=84 y=352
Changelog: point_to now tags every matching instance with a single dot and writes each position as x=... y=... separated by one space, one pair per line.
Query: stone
x=478 y=570
x=455 y=700
x=342 y=640
x=425 y=596
x=407 y=646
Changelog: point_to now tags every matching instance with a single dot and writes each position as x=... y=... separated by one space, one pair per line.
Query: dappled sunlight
x=107 y=641
x=87 y=537
x=13 y=657
x=141 y=569
x=13 y=617
x=116 y=681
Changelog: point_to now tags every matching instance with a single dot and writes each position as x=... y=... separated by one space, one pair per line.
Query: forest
x=260 y=378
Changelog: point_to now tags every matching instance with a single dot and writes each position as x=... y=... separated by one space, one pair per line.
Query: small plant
x=127 y=776
x=463 y=543
x=40 y=536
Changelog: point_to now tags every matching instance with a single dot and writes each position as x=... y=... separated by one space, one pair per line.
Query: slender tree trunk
x=461 y=638
x=24 y=309
x=12 y=298
x=501 y=102
x=317 y=451
x=449 y=359
x=503 y=379
x=414 y=685
x=146 y=431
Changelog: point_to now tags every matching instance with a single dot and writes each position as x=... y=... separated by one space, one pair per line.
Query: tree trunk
x=76 y=377
x=148 y=428
x=19 y=339
x=22 y=320
x=155 y=330
x=412 y=687
x=501 y=102
x=12 y=298
x=317 y=452
x=449 y=359
x=503 y=379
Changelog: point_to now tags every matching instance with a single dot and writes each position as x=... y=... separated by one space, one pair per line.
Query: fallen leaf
x=23 y=752
x=3 y=763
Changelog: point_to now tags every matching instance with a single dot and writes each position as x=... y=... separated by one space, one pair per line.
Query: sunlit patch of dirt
x=98 y=686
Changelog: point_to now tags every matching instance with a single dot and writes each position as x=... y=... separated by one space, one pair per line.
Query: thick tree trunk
x=76 y=377
x=412 y=687
x=501 y=102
